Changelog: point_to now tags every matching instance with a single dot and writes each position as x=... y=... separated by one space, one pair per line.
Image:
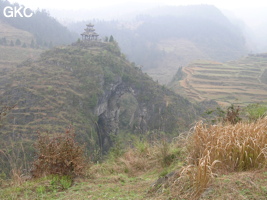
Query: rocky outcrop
x=108 y=112
x=154 y=111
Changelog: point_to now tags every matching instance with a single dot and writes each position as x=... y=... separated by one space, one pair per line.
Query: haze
x=80 y=4
x=249 y=14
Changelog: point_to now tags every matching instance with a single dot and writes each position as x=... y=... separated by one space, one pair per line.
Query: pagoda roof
x=89 y=29
x=90 y=25
x=90 y=34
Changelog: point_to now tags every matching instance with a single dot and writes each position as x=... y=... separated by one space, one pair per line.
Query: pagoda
x=89 y=33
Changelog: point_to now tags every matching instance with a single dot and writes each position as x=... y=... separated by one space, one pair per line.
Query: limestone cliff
x=82 y=85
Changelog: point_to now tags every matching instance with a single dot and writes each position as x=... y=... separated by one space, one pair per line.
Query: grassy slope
x=16 y=54
x=224 y=82
x=10 y=57
x=106 y=187
x=239 y=186
x=11 y=33
x=47 y=95
x=133 y=175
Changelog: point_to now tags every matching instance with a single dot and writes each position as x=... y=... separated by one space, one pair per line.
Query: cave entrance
x=118 y=112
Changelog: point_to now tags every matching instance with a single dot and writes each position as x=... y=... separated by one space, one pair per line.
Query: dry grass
x=238 y=147
x=214 y=150
x=141 y=158
x=13 y=162
x=59 y=155
x=144 y=156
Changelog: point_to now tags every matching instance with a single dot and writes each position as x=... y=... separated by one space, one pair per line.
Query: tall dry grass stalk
x=218 y=149
x=13 y=161
x=192 y=180
x=238 y=147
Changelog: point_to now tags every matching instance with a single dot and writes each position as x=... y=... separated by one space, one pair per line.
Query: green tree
x=18 y=42
x=32 y=44
x=39 y=41
x=24 y=45
x=50 y=45
x=12 y=43
x=111 y=39
x=4 y=41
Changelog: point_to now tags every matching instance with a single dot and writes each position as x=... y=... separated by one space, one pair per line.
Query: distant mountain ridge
x=46 y=29
x=161 y=39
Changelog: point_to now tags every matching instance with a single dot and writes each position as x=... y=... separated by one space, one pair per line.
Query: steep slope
x=11 y=56
x=242 y=81
x=82 y=85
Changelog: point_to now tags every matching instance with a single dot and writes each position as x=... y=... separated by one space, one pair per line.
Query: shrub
x=232 y=115
x=59 y=155
x=255 y=111
x=18 y=42
x=229 y=115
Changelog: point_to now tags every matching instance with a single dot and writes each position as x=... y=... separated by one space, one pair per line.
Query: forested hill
x=163 y=39
x=92 y=86
x=46 y=29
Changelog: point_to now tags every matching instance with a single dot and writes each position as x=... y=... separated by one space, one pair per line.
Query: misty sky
x=253 y=13
x=91 y=4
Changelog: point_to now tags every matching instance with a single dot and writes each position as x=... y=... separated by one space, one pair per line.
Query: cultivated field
x=241 y=81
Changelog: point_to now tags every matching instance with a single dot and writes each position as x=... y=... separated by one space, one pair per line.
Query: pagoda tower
x=89 y=33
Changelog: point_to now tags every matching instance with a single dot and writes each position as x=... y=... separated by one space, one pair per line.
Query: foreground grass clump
x=141 y=158
x=236 y=147
x=59 y=155
x=146 y=156
x=214 y=150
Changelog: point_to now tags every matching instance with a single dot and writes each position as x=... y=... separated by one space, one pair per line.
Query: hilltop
x=87 y=85
x=163 y=39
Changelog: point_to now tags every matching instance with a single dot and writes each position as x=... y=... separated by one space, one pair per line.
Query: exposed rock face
x=108 y=111
x=151 y=114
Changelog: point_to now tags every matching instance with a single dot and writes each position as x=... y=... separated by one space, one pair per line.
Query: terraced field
x=242 y=81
